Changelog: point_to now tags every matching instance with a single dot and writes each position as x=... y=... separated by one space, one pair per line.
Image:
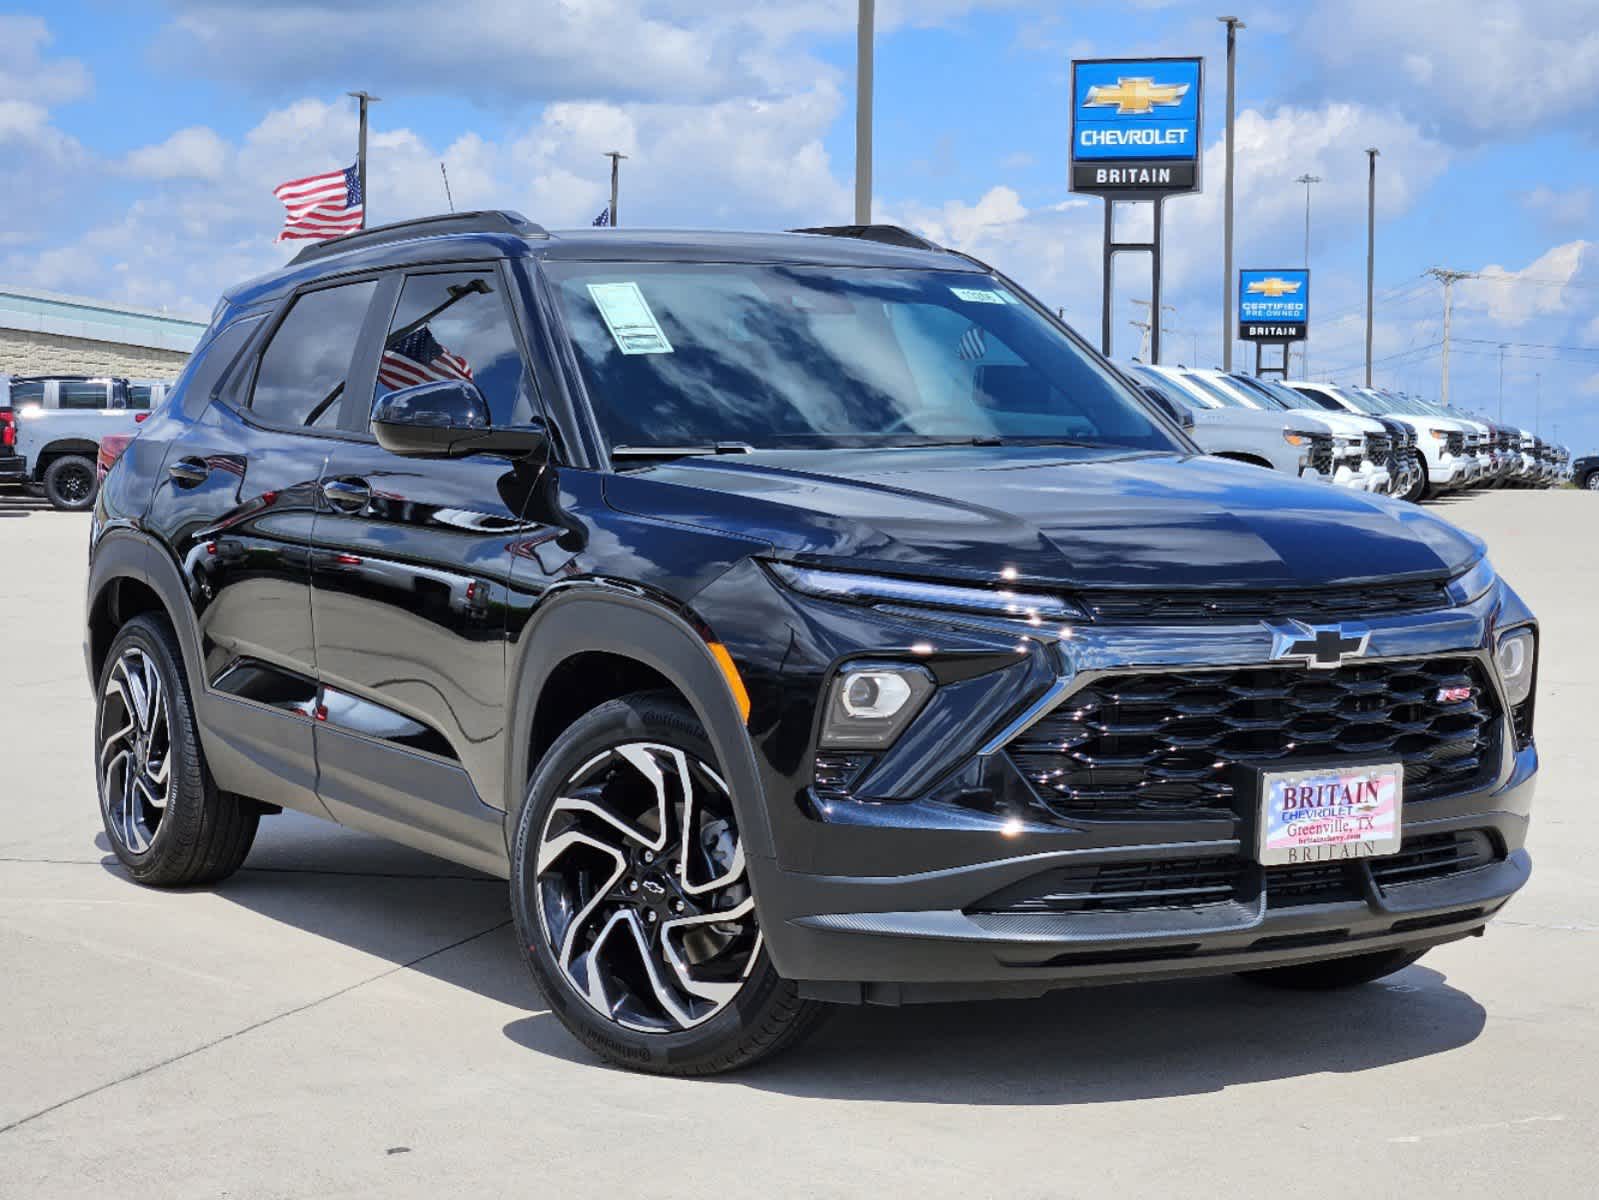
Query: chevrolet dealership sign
x=1135 y=125
x=1273 y=306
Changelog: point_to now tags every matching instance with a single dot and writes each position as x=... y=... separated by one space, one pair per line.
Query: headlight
x=869 y=704
x=1440 y=434
x=883 y=589
x=1473 y=584
x=1298 y=437
x=1514 y=658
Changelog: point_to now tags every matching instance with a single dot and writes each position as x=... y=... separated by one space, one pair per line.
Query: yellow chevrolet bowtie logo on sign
x=1275 y=287
x=1136 y=95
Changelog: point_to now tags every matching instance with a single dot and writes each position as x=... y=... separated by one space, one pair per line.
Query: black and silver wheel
x=70 y=483
x=633 y=903
x=1592 y=483
x=166 y=820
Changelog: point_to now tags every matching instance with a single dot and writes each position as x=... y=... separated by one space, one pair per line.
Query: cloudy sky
x=142 y=138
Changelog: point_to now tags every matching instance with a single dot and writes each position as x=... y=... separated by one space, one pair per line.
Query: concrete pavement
x=347 y=1018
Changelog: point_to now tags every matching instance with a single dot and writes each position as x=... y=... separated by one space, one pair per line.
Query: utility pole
x=1537 y=404
x=1304 y=346
x=865 y=21
x=360 y=152
x=1448 y=278
x=1227 y=284
x=616 y=157
x=1371 y=248
x=1148 y=328
x=1502 y=348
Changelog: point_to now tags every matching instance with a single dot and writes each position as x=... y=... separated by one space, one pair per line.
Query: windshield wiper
x=706 y=449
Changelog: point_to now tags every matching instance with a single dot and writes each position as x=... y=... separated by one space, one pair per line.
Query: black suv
x=793 y=619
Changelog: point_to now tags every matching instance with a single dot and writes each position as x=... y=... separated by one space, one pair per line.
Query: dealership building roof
x=32 y=311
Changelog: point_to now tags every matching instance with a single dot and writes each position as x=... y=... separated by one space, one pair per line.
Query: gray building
x=43 y=333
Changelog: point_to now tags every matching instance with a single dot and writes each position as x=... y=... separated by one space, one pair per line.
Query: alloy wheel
x=1593 y=482
x=76 y=483
x=642 y=893
x=135 y=750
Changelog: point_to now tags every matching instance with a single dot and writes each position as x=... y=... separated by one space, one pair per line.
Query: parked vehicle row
x=53 y=428
x=793 y=620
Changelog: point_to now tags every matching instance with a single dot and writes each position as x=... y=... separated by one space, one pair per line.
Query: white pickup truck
x=57 y=423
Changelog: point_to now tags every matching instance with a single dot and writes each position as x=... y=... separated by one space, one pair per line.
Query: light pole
x=616 y=157
x=1371 y=248
x=865 y=21
x=1233 y=26
x=1304 y=347
x=1502 y=348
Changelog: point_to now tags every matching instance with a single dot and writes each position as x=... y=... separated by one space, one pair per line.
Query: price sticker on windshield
x=979 y=295
x=630 y=319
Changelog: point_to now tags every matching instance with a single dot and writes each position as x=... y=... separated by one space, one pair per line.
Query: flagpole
x=616 y=157
x=360 y=152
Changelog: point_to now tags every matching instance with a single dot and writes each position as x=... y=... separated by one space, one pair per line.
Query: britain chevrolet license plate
x=1329 y=814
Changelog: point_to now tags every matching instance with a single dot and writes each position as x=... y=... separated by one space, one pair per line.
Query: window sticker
x=627 y=315
x=979 y=295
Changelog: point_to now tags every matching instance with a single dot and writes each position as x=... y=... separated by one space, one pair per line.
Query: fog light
x=870 y=704
x=1514 y=659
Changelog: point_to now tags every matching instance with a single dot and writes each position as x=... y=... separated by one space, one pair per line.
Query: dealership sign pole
x=1273 y=310
x=1135 y=137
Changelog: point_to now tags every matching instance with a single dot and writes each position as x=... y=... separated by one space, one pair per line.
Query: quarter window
x=457 y=326
x=31 y=392
x=81 y=394
x=301 y=380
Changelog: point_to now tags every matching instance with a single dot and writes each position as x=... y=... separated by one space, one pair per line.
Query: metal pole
x=360 y=152
x=448 y=199
x=1304 y=347
x=1371 y=248
x=1233 y=26
x=1449 y=306
x=1104 y=336
x=1537 y=401
x=616 y=157
x=863 y=115
x=1502 y=348
x=1154 y=288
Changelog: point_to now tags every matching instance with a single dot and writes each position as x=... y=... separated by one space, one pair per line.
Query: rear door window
x=301 y=379
x=76 y=393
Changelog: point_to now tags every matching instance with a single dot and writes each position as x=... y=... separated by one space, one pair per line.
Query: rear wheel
x=70 y=483
x=166 y=819
x=1335 y=972
x=1592 y=484
x=632 y=899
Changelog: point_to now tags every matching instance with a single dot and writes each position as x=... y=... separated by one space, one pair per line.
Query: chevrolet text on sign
x=1135 y=124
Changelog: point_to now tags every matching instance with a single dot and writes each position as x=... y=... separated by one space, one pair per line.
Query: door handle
x=189 y=471
x=347 y=495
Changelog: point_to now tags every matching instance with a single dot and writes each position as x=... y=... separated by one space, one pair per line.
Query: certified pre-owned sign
x=1273 y=306
x=1135 y=125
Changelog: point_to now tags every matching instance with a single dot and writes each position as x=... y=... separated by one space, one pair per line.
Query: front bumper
x=891 y=901
x=1364 y=478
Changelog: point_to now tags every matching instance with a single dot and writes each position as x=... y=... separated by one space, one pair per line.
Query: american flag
x=418 y=358
x=605 y=216
x=321 y=206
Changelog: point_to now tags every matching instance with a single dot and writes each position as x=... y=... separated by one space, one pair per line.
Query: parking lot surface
x=346 y=1017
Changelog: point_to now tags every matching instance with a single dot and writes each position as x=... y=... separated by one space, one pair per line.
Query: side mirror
x=1163 y=402
x=448 y=418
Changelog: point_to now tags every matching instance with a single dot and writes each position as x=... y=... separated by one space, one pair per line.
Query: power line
x=1386 y=358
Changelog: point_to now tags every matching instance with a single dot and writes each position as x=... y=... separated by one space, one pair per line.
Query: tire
x=583 y=891
x=70 y=483
x=167 y=822
x=1334 y=973
x=1592 y=482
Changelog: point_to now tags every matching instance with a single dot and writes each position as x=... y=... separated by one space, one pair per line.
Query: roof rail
x=892 y=235
x=487 y=221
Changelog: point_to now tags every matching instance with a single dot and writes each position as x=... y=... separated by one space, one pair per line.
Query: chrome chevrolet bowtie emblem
x=1322 y=646
x=1135 y=95
x=1275 y=287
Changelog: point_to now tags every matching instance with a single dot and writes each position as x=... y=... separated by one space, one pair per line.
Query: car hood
x=1343 y=422
x=1074 y=517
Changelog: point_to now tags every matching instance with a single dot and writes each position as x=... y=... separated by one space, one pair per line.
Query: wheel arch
x=1243 y=456
x=61 y=448
x=587 y=641
x=131 y=575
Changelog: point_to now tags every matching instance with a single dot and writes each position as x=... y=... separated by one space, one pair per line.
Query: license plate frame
x=1354 y=811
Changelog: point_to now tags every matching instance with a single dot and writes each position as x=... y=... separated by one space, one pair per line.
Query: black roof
x=496 y=233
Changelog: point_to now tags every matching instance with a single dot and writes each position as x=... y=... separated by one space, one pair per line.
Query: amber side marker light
x=735 y=684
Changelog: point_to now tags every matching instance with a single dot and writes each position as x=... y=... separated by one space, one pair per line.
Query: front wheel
x=70 y=483
x=632 y=898
x=1592 y=483
x=1335 y=973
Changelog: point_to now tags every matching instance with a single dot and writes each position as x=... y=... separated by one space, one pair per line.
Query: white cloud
x=1475 y=71
x=192 y=153
x=26 y=75
x=1559 y=208
x=1541 y=288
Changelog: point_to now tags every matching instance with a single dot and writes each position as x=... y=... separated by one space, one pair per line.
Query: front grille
x=1321 y=453
x=1319 y=604
x=1185 y=883
x=1155 y=746
x=1455 y=443
x=1377 y=448
x=1123 y=887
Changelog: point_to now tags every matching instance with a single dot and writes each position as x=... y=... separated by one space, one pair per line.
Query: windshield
x=1264 y=393
x=1210 y=388
x=691 y=354
x=1320 y=399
